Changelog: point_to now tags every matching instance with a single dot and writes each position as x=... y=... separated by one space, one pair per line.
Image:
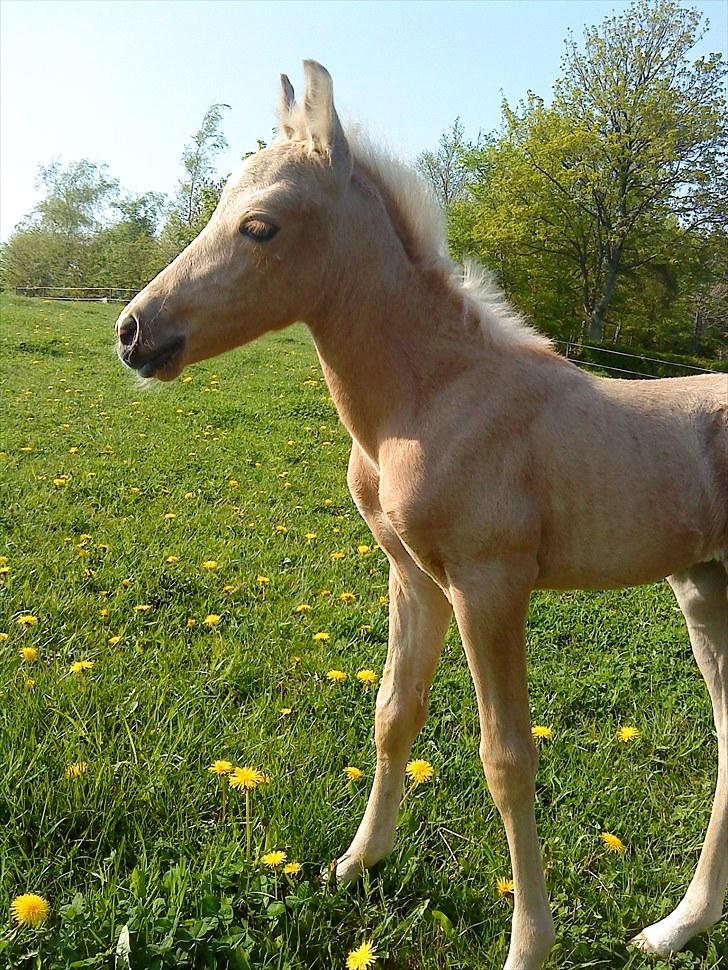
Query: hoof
x=662 y=941
x=644 y=943
x=344 y=871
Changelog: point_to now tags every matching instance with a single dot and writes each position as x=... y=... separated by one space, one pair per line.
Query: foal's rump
x=638 y=483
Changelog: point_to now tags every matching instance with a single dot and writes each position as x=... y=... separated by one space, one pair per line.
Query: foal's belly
x=621 y=539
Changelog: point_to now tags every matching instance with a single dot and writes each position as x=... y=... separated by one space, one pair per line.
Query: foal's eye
x=258 y=230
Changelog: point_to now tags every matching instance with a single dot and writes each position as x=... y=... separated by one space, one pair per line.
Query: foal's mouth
x=164 y=365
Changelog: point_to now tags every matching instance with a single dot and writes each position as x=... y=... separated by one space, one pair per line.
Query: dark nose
x=127 y=331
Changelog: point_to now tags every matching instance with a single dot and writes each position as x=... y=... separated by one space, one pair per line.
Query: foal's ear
x=285 y=106
x=323 y=127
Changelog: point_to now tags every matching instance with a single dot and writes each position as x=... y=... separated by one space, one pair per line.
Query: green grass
x=138 y=839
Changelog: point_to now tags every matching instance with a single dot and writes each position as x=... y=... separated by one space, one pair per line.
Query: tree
x=445 y=169
x=625 y=165
x=198 y=191
x=52 y=245
x=77 y=197
x=128 y=252
x=661 y=124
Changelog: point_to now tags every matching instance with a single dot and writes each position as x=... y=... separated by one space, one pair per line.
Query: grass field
x=112 y=499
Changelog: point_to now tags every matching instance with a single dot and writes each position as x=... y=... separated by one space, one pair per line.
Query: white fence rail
x=96 y=294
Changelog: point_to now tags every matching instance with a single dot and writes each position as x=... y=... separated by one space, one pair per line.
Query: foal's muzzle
x=143 y=355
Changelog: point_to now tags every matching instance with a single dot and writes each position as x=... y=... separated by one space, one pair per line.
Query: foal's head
x=287 y=224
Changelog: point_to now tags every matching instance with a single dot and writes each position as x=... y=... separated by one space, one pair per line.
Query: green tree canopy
x=615 y=179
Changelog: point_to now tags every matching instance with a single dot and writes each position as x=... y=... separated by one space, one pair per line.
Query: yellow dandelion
x=336 y=676
x=60 y=482
x=542 y=733
x=29 y=909
x=212 y=619
x=246 y=778
x=29 y=683
x=328 y=502
x=170 y=515
x=273 y=859
x=262 y=580
x=74 y=451
x=366 y=677
x=613 y=843
x=362 y=550
x=3 y=560
x=325 y=593
x=172 y=560
x=210 y=564
x=321 y=636
x=285 y=711
x=347 y=597
x=352 y=773
x=292 y=868
x=233 y=483
x=310 y=535
x=81 y=666
x=281 y=528
x=220 y=767
x=114 y=640
x=628 y=734
x=4 y=570
x=191 y=622
x=337 y=555
x=363 y=957
x=4 y=637
x=420 y=771
x=143 y=608
x=303 y=608
x=29 y=654
x=187 y=379
x=27 y=619
x=384 y=601
x=76 y=769
x=504 y=886
x=229 y=589
x=104 y=613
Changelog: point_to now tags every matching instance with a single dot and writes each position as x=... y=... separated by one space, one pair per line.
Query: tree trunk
x=698 y=329
x=596 y=320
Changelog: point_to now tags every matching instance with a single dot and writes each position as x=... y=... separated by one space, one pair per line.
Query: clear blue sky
x=127 y=82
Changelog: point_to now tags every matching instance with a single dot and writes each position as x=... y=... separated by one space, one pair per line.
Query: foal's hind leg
x=701 y=593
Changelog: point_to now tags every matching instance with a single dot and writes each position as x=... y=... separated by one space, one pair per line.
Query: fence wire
x=571 y=345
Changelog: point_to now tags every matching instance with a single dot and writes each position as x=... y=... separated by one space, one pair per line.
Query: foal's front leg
x=490 y=603
x=418 y=617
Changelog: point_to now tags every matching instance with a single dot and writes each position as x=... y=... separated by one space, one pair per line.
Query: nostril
x=128 y=331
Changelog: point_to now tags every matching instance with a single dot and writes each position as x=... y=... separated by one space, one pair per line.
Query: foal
x=485 y=464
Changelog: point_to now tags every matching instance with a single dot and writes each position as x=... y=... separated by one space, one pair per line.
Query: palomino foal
x=485 y=465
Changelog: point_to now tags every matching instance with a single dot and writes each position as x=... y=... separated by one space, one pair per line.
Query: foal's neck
x=388 y=346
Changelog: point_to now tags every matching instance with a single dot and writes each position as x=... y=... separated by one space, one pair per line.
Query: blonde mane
x=419 y=221
x=417 y=215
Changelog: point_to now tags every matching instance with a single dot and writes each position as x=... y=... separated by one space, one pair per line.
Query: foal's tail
x=717 y=447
